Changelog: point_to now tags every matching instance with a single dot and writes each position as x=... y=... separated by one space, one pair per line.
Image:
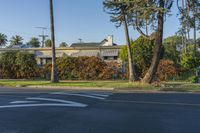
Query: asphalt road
x=97 y=112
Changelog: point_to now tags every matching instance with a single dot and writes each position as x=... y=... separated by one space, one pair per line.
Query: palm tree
x=3 y=40
x=54 y=73
x=16 y=40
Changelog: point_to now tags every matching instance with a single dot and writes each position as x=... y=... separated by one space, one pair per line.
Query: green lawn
x=125 y=85
x=108 y=84
x=181 y=86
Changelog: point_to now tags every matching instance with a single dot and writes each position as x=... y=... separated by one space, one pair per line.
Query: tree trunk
x=150 y=75
x=147 y=28
x=54 y=74
x=184 y=36
x=132 y=71
x=188 y=26
x=195 y=36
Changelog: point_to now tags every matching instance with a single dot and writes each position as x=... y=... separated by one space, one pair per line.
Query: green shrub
x=142 y=54
x=188 y=60
x=8 y=67
x=17 y=65
x=193 y=79
x=26 y=65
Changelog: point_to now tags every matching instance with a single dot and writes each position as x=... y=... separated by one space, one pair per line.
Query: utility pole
x=54 y=72
x=43 y=36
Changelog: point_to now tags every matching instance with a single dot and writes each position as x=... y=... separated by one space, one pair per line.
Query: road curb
x=156 y=91
x=115 y=90
x=72 y=88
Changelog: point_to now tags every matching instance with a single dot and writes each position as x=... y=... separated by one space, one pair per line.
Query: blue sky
x=74 y=19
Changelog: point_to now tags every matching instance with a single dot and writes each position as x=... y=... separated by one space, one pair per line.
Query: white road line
x=22 y=102
x=81 y=95
x=18 y=92
x=58 y=100
x=100 y=95
x=60 y=103
x=43 y=105
x=57 y=93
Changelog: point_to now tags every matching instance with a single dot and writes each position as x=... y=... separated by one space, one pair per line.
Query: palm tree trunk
x=132 y=71
x=54 y=74
x=150 y=75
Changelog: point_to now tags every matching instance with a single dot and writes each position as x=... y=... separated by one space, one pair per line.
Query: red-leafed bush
x=112 y=70
x=166 y=69
x=85 y=68
x=89 y=68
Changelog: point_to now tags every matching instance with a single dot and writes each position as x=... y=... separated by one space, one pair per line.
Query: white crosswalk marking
x=22 y=102
x=43 y=102
x=43 y=105
x=101 y=96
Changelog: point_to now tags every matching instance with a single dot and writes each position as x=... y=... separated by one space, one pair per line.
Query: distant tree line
x=18 y=40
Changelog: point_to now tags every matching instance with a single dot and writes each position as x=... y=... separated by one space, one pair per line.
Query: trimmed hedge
x=85 y=68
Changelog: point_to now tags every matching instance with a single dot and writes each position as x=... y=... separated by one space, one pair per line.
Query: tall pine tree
x=119 y=13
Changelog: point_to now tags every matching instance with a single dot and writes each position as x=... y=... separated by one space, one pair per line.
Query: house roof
x=106 y=40
x=91 y=44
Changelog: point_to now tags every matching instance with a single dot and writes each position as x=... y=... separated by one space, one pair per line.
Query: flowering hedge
x=85 y=68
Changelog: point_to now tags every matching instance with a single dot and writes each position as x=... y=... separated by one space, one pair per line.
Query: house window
x=115 y=57
x=41 y=62
x=105 y=57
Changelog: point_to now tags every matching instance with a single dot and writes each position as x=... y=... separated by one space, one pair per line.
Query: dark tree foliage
x=143 y=49
x=48 y=43
x=34 y=42
x=63 y=45
x=172 y=48
x=189 y=11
